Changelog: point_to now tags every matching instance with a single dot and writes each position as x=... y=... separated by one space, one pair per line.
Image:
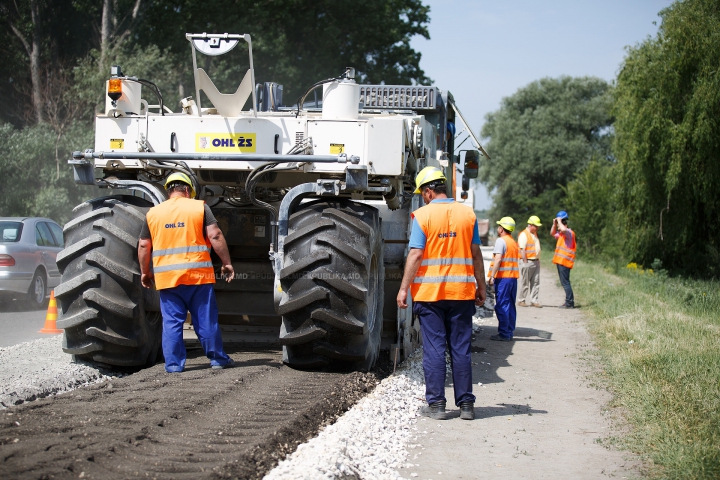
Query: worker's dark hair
x=505 y=229
x=437 y=186
x=179 y=187
x=564 y=221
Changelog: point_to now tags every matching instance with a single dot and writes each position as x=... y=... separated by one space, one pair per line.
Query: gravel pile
x=36 y=369
x=371 y=439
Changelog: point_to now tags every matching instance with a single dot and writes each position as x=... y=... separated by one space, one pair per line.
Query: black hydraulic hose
x=301 y=99
x=184 y=168
x=154 y=88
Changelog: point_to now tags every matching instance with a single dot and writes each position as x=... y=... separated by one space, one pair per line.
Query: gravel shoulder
x=37 y=369
x=537 y=413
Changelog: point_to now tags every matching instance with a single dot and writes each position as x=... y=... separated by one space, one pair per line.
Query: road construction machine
x=314 y=200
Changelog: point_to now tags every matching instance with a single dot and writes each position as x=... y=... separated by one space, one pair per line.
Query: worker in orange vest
x=529 y=245
x=564 y=257
x=445 y=273
x=178 y=235
x=504 y=277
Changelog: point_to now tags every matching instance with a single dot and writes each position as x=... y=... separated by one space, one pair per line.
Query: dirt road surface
x=537 y=414
x=203 y=423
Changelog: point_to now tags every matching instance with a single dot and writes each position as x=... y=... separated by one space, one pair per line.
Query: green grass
x=659 y=342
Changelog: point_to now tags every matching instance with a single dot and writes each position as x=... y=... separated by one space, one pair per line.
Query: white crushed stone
x=40 y=368
x=370 y=440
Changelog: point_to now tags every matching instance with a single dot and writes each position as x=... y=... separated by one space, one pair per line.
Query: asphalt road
x=18 y=324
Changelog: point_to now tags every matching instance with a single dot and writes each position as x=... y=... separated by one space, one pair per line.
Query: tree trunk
x=105 y=35
x=35 y=61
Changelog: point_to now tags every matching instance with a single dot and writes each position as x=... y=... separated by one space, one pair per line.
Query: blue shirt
x=418 y=239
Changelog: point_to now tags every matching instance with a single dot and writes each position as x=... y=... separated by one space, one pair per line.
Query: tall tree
x=540 y=138
x=668 y=141
x=26 y=26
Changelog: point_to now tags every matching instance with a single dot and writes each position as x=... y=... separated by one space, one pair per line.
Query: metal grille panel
x=398 y=97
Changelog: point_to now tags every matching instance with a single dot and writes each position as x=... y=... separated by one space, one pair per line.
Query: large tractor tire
x=108 y=317
x=332 y=280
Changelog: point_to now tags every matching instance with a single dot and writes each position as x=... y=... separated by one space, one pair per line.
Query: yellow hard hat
x=534 y=220
x=180 y=177
x=427 y=175
x=507 y=223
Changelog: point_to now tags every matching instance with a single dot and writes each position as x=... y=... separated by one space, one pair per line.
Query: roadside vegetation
x=659 y=341
x=634 y=162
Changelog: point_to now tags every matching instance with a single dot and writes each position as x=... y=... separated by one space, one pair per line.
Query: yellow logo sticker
x=336 y=148
x=225 y=142
x=117 y=143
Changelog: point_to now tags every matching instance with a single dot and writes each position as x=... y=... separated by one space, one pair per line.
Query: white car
x=28 y=248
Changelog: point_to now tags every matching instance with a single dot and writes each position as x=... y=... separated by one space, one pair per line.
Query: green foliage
x=298 y=42
x=659 y=343
x=592 y=198
x=668 y=141
x=539 y=139
x=33 y=180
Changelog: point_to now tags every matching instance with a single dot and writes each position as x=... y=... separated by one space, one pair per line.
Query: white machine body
x=381 y=141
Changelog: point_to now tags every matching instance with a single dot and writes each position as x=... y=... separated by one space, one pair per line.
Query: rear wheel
x=108 y=317
x=37 y=291
x=331 y=280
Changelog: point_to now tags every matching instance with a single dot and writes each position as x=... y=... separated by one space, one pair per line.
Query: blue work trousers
x=564 y=273
x=199 y=300
x=447 y=323
x=505 y=294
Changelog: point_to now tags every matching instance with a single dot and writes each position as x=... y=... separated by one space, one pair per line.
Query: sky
x=482 y=51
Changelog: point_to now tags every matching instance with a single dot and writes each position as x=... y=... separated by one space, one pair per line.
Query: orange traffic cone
x=51 y=316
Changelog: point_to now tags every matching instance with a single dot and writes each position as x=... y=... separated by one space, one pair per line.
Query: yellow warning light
x=115 y=89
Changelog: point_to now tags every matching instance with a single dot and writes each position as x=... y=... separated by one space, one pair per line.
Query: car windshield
x=10 y=231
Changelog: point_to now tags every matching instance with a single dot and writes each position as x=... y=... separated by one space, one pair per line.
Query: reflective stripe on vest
x=181 y=253
x=182 y=266
x=445 y=279
x=173 y=251
x=447 y=261
x=530 y=251
x=510 y=259
x=446 y=271
x=563 y=255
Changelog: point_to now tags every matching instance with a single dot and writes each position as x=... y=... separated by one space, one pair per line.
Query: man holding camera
x=564 y=258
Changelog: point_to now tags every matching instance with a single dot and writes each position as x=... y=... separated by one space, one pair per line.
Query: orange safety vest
x=181 y=253
x=530 y=250
x=510 y=260
x=563 y=255
x=446 y=271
